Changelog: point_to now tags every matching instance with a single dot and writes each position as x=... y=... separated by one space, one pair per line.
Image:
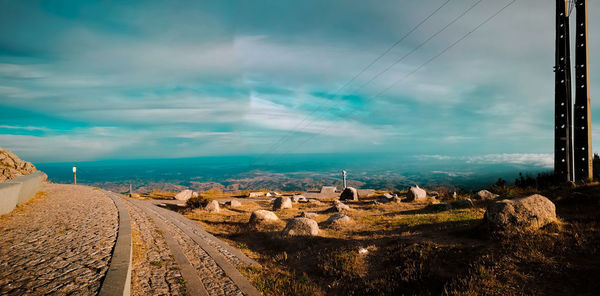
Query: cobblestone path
x=197 y=264
x=58 y=244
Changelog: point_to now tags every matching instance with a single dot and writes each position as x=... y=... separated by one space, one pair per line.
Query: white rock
x=185 y=195
x=213 y=207
x=263 y=216
x=486 y=195
x=416 y=194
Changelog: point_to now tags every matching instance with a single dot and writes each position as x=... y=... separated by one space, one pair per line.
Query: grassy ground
x=414 y=251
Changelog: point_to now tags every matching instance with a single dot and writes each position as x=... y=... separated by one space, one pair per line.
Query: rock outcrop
x=528 y=213
x=350 y=193
x=11 y=166
x=301 y=227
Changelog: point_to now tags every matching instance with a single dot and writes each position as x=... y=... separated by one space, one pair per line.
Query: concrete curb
x=17 y=191
x=9 y=197
x=118 y=276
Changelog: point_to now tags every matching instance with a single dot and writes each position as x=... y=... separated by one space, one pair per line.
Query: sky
x=91 y=80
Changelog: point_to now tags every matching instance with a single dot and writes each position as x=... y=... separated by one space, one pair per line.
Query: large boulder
x=213 y=207
x=350 y=193
x=263 y=216
x=281 y=203
x=528 y=213
x=485 y=195
x=416 y=193
x=185 y=195
x=11 y=166
x=301 y=227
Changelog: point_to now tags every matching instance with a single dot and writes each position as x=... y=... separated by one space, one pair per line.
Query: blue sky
x=91 y=80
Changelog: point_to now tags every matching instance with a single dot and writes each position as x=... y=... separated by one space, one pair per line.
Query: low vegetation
x=406 y=248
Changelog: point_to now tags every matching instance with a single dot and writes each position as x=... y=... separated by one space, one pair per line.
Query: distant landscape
x=289 y=173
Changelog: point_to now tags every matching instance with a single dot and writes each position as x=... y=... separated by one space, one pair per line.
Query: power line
x=420 y=66
x=337 y=92
x=393 y=64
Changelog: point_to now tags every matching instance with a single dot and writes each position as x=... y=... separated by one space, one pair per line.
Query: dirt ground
x=412 y=250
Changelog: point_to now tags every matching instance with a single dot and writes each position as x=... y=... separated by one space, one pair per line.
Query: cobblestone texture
x=215 y=280
x=154 y=271
x=59 y=244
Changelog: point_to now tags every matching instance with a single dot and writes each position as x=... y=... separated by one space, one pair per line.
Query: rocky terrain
x=12 y=166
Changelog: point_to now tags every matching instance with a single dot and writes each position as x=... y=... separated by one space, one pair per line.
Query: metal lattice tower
x=582 y=131
x=562 y=95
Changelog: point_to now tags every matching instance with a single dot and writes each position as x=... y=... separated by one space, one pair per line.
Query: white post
x=74 y=175
x=344 y=177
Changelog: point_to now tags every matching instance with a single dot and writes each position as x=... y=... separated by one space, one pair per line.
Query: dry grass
x=415 y=251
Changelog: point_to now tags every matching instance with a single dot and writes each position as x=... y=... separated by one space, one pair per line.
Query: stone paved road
x=59 y=244
x=211 y=267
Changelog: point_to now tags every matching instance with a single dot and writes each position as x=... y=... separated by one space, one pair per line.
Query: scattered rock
x=463 y=204
x=350 y=193
x=387 y=196
x=434 y=194
x=396 y=199
x=256 y=194
x=263 y=216
x=233 y=203
x=363 y=251
x=528 y=213
x=213 y=207
x=338 y=206
x=486 y=195
x=440 y=206
x=338 y=220
x=135 y=195
x=301 y=227
x=11 y=166
x=272 y=193
x=373 y=202
x=308 y=215
x=416 y=194
x=281 y=203
x=454 y=195
x=185 y=195
x=298 y=198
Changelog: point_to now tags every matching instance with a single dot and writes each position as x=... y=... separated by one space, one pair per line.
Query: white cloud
x=539 y=159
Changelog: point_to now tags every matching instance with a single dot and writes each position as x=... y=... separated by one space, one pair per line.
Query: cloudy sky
x=88 y=80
